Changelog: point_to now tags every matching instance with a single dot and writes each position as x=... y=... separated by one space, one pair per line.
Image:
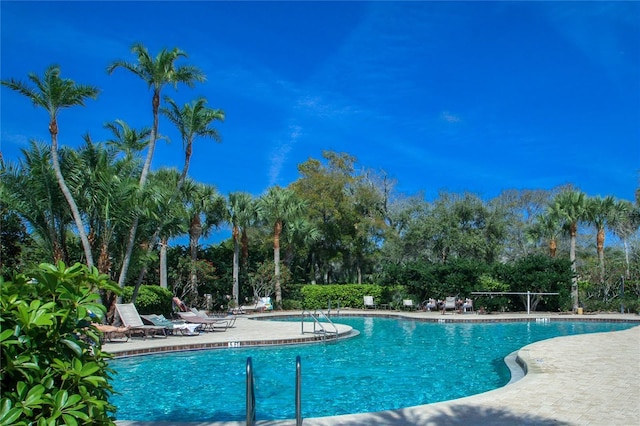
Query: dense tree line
x=339 y=222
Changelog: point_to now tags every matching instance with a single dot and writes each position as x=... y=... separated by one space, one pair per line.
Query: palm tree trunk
x=195 y=231
x=626 y=257
x=600 y=245
x=236 y=266
x=53 y=130
x=572 y=257
x=553 y=247
x=155 y=103
x=276 y=261
x=163 y=263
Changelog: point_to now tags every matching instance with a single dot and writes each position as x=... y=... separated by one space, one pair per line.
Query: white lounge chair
x=369 y=303
x=186 y=329
x=211 y=324
x=449 y=303
x=408 y=304
x=130 y=318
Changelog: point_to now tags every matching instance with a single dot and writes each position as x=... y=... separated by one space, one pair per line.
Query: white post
x=528 y=302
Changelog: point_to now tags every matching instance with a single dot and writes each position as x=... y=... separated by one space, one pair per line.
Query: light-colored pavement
x=582 y=380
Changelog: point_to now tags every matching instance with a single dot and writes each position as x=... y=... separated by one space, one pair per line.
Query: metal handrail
x=298 y=392
x=329 y=309
x=317 y=324
x=251 y=395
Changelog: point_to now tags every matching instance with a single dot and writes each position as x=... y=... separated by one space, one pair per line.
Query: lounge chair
x=211 y=324
x=109 y=332
x=231 y=320
x=467 y=306
x=369 y=303
x=130 y=318
x=171 y=326
x=449 y=303
x=408 y=304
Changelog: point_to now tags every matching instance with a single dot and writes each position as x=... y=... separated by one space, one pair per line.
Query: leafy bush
x=351 y=295
x=152 y=299
x=53 y=371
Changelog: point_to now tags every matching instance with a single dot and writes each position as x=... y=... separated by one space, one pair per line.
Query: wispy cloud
x=280 y=153
x=449 y=117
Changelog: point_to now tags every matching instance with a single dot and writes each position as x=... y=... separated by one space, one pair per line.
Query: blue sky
x=453 y=96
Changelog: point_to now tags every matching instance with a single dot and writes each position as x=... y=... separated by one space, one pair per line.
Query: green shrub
x=53 y=371
x=152 y=299
x=348 y=295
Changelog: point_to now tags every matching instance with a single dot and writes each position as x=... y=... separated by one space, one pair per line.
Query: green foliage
x=351 y=295
x=53 y=371
x=152 y=299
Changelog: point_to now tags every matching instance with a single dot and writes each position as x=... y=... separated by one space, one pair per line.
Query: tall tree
x=192 y=120
x=201 y=202
x=240 y=214
x=548 y=228
x=625 y=221
x=570 y=207
x=599 y=212
x=30 y=189
x=157 y=73
x=277 y=207
x=53 y=93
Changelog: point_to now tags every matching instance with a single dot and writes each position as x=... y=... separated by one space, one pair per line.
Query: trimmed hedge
x=152 y=299
x=317 y=296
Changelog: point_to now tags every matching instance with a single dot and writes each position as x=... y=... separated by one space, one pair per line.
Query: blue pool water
x=393 y=363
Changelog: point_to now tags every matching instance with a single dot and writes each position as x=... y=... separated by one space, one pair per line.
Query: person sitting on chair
x=431 y=305
x=468 y=304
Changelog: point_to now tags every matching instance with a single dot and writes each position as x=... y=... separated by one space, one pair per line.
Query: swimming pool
x=394 y=363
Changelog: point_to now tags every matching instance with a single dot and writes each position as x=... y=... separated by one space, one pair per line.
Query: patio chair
x=231 y=320
x=130 y=318
x=449 y=303
x=210 y=324
x=369 y=303
x=109 y=332
x=408 y=305
x=185 y=329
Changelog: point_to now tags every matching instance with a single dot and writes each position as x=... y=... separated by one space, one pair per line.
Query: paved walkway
x=583 y=380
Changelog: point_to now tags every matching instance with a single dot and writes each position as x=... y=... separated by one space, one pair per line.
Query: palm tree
x=54 y=93
x=570 y=208
x=599 y=212
x=127 y=140
x=546 y=227
x=625 y=221
x=192 y=120
x=240 y=214
x=31 y=189
x=201 y=200
x=277 y=207
x=156 y=72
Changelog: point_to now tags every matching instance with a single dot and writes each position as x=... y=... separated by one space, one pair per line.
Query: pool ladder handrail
x=329 y=309
x=298 y=391
x=318 y=327
x=251 y=395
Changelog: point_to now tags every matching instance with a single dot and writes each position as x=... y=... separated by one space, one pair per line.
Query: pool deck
x=584 y=380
